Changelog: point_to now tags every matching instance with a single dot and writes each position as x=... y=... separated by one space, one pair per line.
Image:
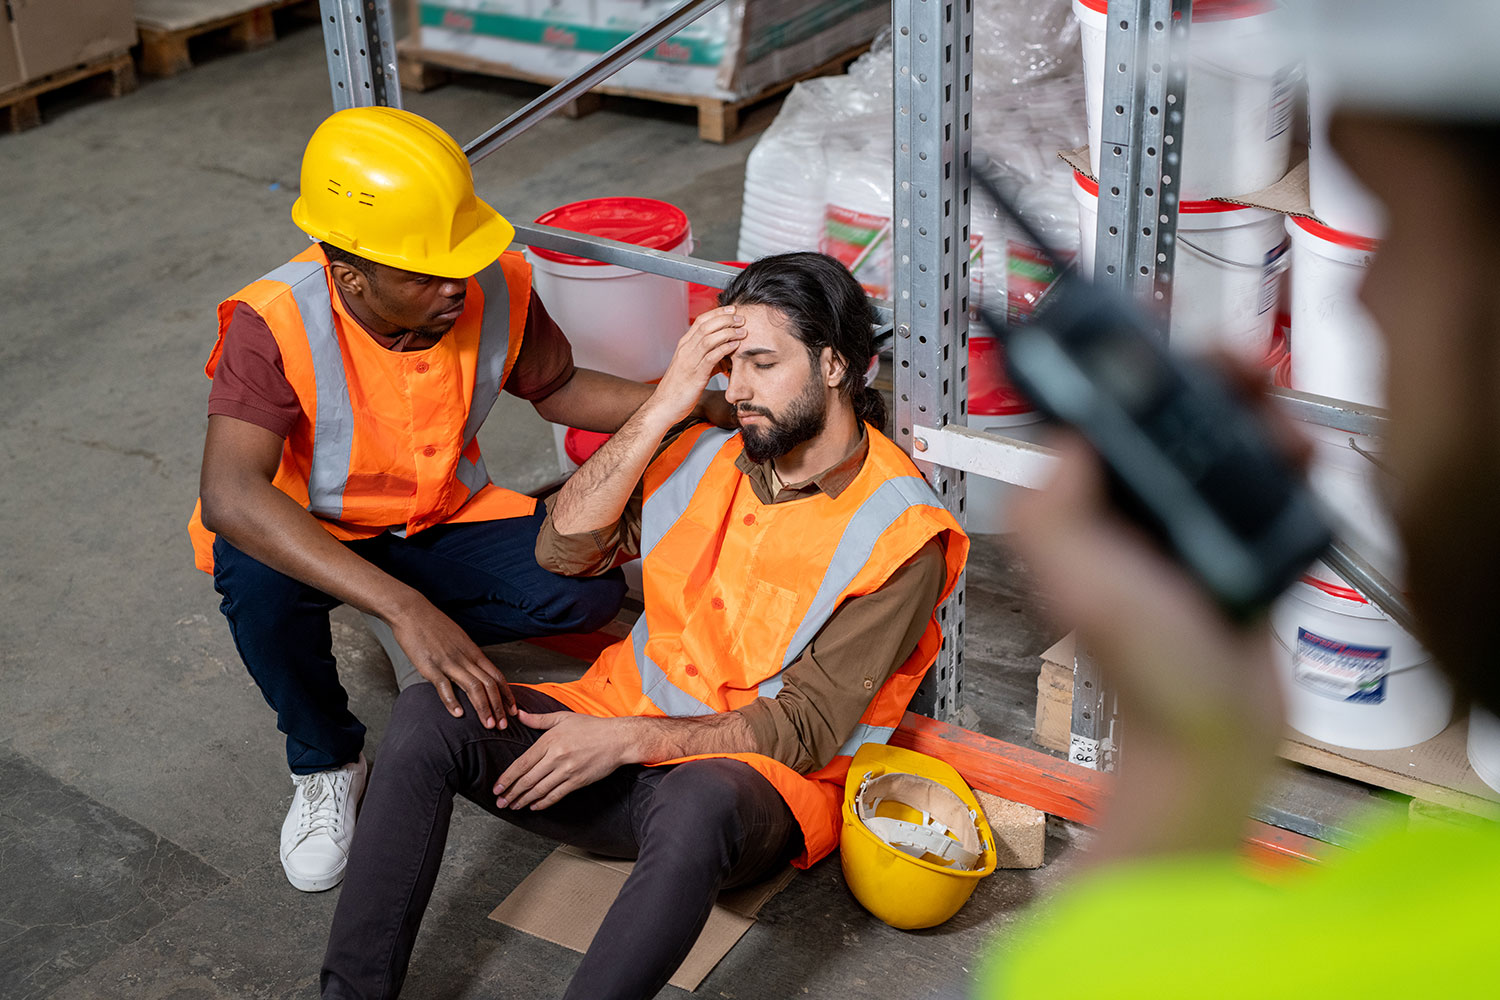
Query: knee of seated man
x=583 y=604
x=421 y=729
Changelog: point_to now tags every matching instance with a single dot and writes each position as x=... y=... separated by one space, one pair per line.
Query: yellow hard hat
x=915 y=842
x=394 y=188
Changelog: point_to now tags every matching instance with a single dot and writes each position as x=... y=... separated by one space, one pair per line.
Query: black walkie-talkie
x=1187 y=458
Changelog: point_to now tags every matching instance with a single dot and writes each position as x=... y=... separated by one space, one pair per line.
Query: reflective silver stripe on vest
x=654 y=684
x=879 y=511
x=865 y=734
x=333 y=429
x=494 y=347
x=671 y=499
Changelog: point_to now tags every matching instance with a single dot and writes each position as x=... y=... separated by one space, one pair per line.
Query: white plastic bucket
x=1337 y=196
x=1336 y=347
x=1349 y=483
x=1230 y=261
x=1351 y=676
x=1484 y=746
x=988 y=501
x=1237 y=135
x=618 y=320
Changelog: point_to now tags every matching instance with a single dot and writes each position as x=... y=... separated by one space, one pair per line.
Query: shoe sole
x=322 y=884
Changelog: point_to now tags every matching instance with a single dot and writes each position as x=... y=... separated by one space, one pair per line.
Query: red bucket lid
x=1205 y=10
x=645 y=222
x=1338 y=236
x=580 y=446
x=990 y=392
x=1185 y=208
x=702 y=298
x=1338 y=590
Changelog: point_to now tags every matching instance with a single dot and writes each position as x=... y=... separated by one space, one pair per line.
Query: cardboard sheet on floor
x=564 y=901
x=1287 y=196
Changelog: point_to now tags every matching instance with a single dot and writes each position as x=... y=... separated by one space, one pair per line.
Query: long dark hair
x=827 y=308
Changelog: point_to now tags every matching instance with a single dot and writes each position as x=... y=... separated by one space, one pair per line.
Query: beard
x=803 y=419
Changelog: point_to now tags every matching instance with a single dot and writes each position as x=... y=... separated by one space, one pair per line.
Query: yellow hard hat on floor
x=915 y=842
x=394 y=188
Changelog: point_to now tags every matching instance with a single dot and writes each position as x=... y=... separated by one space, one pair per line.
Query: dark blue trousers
x=483 y=575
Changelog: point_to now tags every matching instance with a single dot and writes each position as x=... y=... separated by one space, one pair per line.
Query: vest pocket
x=763 y=627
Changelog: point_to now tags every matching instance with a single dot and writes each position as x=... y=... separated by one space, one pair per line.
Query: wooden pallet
x=21 y=106
x=167 y=26
x=718 y=120
x=1437 y=771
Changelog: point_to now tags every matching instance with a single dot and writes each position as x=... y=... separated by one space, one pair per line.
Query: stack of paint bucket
x=1236 y=139
x=1352 y=676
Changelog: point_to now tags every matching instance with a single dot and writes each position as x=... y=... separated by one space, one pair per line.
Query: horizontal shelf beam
x=668 y=265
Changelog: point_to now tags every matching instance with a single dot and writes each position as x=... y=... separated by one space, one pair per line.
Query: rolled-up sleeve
x=827 y=689
x=590 y=553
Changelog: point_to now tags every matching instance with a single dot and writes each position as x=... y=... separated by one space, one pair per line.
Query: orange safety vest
x=387 y=438
x=735 y=590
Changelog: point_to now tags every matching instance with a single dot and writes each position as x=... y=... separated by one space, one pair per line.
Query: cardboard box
x=53 y=35
x=733 y=51
x=564 y=901
x=1054 y=697
x=1287 y=196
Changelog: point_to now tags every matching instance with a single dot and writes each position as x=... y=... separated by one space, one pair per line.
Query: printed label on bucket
x=1341 y=670
x=1028 y=275
x=862 y=243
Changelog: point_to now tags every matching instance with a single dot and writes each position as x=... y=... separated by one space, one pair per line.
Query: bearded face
x=768 y=435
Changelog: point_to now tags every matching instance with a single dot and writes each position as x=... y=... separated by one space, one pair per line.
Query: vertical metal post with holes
x=1140 y=157
x=930 y=291
x=360 y=43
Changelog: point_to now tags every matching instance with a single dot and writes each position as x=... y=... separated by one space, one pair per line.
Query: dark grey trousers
x=692 y=828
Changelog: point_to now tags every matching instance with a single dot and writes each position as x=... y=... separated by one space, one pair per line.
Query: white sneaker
x=319 y=827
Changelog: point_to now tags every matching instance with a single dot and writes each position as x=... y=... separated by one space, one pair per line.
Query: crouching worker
x=792 y=571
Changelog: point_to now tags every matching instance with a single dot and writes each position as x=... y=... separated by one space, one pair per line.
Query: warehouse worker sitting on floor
x=792 y=573
x=341 y=464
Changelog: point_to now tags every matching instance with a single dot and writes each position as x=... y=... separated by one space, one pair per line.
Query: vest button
x=869 y=683
x=691 y=670
x=422 y=367
x=429 y=451
x=718 y=604
x=749 y=518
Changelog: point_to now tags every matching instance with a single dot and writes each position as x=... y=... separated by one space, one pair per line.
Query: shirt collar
x=831 y=481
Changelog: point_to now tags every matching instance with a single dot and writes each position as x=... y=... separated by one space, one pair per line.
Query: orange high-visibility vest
x=735 y=590
x=388 y=438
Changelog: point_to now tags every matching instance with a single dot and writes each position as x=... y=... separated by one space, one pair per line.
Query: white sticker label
x=1341 y=670
x=1082 y=750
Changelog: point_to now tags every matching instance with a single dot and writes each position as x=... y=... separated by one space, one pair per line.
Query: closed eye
x=763 y=367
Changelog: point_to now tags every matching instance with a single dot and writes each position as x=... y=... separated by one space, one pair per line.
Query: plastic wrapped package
x=821 y=177
x=1017 y=42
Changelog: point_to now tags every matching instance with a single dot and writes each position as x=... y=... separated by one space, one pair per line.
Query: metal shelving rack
x=926 y=325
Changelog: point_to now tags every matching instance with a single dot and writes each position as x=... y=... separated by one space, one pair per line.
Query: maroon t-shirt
x=250 y=383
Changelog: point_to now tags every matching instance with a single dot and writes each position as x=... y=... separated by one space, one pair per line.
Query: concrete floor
x=144 y=782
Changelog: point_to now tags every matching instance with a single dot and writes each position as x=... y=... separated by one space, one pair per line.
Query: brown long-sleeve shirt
x=826 y=690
